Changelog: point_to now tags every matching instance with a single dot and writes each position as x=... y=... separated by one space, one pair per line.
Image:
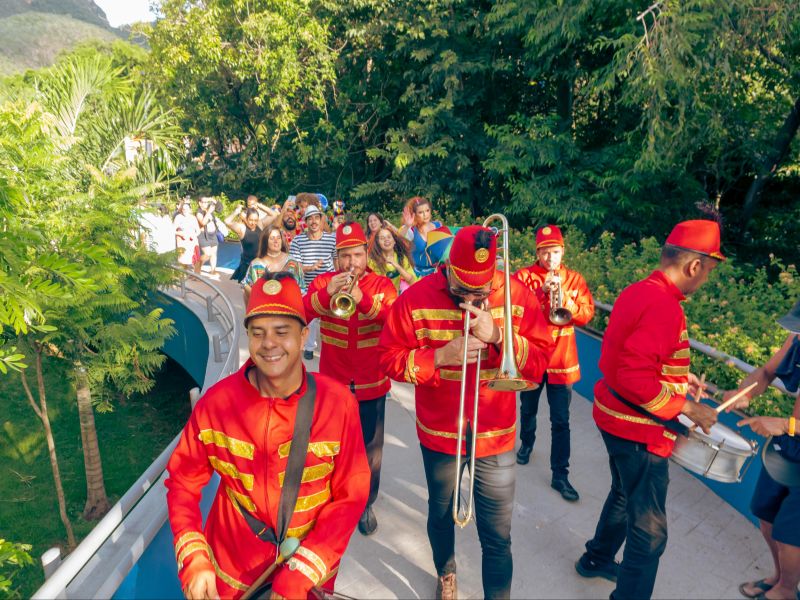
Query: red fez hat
x=276 y=297
x=350 y=235
x=549 y=235
x=699 y=235
x=472 y=267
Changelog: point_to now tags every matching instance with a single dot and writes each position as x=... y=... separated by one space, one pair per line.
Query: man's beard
x=289 y=224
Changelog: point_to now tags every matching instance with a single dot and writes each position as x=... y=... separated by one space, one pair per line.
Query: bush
x=735 y=311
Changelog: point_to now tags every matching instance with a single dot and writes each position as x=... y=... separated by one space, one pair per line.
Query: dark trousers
x=634 y=510
x=559 y=397
x=372 y=413
x=494 y=501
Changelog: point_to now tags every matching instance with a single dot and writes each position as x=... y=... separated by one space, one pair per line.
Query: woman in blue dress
x=417 y=223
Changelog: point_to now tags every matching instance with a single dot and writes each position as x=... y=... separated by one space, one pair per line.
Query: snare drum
x=721 y=455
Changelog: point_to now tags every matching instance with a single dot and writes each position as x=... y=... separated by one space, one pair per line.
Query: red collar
x=293 y=397
x=657 y=277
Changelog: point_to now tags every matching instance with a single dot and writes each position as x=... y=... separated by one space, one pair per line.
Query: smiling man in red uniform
x=422 y=344
x=546 y=274
x=348 y=344
x=645 y=364
x=242 y=428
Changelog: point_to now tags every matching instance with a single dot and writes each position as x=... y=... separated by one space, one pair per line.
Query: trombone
x=343 y=305
x=508 y=379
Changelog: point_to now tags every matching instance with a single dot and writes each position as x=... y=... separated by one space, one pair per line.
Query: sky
x=120 y=12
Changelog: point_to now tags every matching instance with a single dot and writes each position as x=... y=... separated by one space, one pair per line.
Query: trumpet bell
x=560 y=316
x=342 y=305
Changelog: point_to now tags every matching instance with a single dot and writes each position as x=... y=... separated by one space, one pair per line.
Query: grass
x=130 y=438
x=32 y=39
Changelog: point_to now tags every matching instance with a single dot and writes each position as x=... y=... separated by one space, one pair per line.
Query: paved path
x=712 y=548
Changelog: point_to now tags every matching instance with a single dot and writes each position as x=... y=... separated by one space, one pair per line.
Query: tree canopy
x=597 y=115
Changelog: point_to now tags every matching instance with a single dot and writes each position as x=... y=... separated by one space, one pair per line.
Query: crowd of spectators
x=297 y=236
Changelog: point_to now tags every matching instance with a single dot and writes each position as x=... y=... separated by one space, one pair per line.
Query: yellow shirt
x=392 y=273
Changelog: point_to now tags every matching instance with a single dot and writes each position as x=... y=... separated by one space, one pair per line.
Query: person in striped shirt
x=315 y=250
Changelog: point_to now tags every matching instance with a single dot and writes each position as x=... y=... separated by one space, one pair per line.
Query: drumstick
x=735 y=397
x=700 y=388
x=730 y=401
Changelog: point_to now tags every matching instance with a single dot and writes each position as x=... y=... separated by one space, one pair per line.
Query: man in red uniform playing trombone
x=349 y=341
x=290 y=456
x=423 y=344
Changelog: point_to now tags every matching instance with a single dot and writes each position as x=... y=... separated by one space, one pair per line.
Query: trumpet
x=343 y=305
x=508 y=379
x=558 y=314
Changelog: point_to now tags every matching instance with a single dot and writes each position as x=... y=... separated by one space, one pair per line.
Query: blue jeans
x=634 y=510
x=559 y=397
x=494 y=501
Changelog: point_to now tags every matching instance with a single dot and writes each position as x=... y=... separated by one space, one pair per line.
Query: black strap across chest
x=294 y=470
x=672 y=425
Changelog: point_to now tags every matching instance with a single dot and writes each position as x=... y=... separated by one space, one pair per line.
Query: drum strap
x=672 y=425
x=294 y=470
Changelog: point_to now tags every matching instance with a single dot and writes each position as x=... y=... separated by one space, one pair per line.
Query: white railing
x=219 y=310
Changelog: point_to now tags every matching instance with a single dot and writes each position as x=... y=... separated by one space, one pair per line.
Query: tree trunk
x=41 y=412
x=96 y=499
x=779 y=152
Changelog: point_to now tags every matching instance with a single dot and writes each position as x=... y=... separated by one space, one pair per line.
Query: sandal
x=761 y=585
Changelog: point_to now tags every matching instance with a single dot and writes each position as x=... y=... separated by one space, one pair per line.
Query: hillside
x=33 y=39
x=83 y=10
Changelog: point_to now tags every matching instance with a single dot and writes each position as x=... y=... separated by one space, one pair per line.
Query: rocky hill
x=34 y=32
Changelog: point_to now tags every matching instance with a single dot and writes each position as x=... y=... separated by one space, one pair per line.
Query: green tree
x=81 y=202
x=13 y=558
x=241 y=74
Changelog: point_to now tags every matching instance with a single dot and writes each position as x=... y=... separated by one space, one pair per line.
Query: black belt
x=672 y=425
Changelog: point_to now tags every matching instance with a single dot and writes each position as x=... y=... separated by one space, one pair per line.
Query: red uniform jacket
x=564 y=367
x=645 y=359
x=426 y=317
x=245 y=438
x=348 y=345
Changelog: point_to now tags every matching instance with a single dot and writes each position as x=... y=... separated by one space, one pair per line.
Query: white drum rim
x=733 y=441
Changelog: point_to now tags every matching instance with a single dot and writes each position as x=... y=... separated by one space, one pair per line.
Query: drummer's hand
x=482 y=324
x=202 y=586
x=700 y=413
x=276 y=596
x=452 y=353
x=694 y=388
x=337 y=282
x=741 y=403
x=766 y=426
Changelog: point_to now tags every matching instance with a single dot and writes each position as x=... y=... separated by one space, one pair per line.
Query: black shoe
x=368 y=522
x=563 y=487
x=524 y=454
x=308 y=354
x=589 y=568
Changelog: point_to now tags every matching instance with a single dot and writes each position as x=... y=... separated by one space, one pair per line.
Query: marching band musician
x=645 y=364
x=243 y=429
x=422 y=344
x=544 y=278
x=348 y=343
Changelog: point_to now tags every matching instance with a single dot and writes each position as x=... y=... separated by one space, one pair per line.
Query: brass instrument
x=508 y=379
x=558 y=314
x=343 y=305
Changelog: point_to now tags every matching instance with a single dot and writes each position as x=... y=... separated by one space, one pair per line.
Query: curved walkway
x=712 y=548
